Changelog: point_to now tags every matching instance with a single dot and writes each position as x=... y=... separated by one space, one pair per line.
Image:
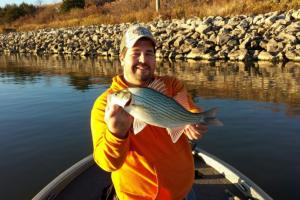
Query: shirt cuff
x=111 y=138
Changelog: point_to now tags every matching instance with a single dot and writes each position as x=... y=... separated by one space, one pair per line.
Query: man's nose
x=142 y=58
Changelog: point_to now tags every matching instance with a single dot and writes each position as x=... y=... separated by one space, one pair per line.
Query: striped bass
x=149 y=106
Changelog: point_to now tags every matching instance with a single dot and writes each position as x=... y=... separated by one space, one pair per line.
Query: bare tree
x=39 y=2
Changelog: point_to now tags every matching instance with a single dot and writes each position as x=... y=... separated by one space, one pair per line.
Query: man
x=147 y=165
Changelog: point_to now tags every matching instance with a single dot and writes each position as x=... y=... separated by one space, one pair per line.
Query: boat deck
x=209 y=184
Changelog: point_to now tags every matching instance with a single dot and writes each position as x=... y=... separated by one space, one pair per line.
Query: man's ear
x=121 y=56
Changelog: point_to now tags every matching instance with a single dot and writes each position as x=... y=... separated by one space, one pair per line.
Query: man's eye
x=150 y=53
x=135 y=54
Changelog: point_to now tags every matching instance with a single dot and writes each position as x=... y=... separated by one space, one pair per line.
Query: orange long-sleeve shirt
x=147 y=165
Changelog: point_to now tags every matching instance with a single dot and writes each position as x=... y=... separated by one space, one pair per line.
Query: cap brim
x=130 y=44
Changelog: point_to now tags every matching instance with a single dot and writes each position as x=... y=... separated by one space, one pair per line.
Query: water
x=45 y=105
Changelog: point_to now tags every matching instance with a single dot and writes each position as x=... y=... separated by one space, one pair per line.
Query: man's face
x=139 y=63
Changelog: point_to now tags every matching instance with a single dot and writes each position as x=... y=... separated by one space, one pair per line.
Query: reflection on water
x=45 y=105
x=260 y=81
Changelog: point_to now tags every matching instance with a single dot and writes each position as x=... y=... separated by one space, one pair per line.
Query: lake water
x=45 y=107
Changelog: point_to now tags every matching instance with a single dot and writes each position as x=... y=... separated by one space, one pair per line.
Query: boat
x=214 y=180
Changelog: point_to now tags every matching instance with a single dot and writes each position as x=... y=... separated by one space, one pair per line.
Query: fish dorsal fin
x=182 y=98
x=138 y=126
x=158 y=85
x=175 y=133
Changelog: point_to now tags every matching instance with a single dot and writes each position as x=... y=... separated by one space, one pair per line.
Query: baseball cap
x=133 y=34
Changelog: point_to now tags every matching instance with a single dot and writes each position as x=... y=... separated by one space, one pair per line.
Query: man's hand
x=195 y=131
x=118 y=121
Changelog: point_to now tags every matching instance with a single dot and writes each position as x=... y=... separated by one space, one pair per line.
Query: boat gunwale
x=241 y=181
x=58 y=184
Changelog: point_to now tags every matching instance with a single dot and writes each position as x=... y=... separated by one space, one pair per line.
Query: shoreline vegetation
x=190 y=29
x=29 y=17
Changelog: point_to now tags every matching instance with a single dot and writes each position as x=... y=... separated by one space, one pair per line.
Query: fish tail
x=211 y=119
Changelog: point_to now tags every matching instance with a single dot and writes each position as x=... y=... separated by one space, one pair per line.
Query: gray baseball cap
x=133 y=34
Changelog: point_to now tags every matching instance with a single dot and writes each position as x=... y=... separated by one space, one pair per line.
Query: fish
x=150 y=105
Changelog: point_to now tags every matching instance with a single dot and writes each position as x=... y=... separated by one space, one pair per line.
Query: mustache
x=141 y=64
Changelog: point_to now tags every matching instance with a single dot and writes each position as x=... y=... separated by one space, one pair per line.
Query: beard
x=138 y=74
x=143 y=72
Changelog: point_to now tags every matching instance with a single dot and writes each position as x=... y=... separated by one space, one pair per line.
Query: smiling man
x=147 y=165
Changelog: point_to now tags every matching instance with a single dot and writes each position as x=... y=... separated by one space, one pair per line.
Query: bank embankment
x=273 y=36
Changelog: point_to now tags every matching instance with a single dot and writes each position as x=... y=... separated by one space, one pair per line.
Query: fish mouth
x=128 y=98
x=128 y=102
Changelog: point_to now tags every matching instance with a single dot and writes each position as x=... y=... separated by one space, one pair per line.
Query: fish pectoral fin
x=138 y=126
x=175 y=133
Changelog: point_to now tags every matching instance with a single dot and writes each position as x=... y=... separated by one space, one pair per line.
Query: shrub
x=11 y=12
x=99 y=3
x=67 y=5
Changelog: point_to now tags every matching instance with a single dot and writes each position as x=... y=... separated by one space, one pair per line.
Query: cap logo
x=140 y=31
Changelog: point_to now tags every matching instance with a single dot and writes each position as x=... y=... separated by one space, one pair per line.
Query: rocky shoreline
x=272 y=36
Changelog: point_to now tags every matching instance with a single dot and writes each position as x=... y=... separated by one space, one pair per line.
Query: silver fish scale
x=161 y=110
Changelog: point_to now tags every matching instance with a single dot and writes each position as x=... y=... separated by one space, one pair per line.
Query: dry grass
x=144 y=10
